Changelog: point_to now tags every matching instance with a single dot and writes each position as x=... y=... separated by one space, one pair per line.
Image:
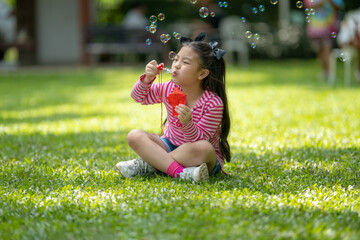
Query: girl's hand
x=184 y=112
x=151 y=71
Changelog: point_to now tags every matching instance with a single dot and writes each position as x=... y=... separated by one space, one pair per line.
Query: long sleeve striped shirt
x=206 y=114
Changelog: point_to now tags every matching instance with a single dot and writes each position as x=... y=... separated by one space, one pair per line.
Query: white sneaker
x=135 y=167
x=196 y=174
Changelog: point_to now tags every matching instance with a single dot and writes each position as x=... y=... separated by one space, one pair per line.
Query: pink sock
x=174 y=169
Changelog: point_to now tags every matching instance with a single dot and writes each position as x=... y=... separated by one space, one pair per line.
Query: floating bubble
x=248 y=34
x=148 y=41
x=212 y=14
x=152 y=29
x=255 y=10
x=343 y=57
x=307 y=11
x=307 y=19
x=243 y=19
x=176 y=35
x=154 y=24
x=163 y=38
x=262 y=8
x=153 y=19
x=257 y=36
x=221 y=4
x=147 y=28
x=299 y=4
x=161 y=16
x=312 y=11
x=253 y=45
x=203 y=12
x=333 y=35
x=274 y=2
x=172 y=55
x=168 y=37
x=193 y=1
x=225 y=4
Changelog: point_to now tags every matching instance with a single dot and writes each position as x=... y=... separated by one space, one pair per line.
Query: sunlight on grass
x=294 y=174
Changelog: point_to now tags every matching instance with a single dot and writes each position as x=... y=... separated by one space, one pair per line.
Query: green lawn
x=294 y=175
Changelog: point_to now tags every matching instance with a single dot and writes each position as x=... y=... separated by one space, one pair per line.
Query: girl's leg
x=152 y=150
x=194 y=154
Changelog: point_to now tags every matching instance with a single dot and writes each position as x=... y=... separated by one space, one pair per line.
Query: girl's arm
x=207 y=126
x=144 y=91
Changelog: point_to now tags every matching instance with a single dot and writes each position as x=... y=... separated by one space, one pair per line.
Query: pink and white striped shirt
x=206 y=114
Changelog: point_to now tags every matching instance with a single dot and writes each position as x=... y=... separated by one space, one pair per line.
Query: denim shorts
x=171 y=147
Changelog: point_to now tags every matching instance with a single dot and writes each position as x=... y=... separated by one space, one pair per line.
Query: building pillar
x=284 y=14
x=26 y=31
x=84 y=19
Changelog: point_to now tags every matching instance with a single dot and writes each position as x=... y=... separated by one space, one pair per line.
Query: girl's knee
x=134 y=137
x=203 y=148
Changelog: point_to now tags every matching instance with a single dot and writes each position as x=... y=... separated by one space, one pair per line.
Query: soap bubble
x=221 y=4
x=203 y=12
x=257 y=36
x=307 y=11
x=333 y=34
x=225 y=4
x=147 y=28
x=172 y=55
x=193 y=1
x=253 y=45
x=307 y=19
x=212 y=14
x=299 y=4
x=343 y=57
x=161 y=16
x=312 y=11
x=148 y=41
x=255 y=10
x=154 y=24
x=152 y=29
x=168 y=36
x=274 y=2
x=153 y=19
x=163 y=38
x=248 y=34
x=243 y=19
x=176 y=35
x=262 y=8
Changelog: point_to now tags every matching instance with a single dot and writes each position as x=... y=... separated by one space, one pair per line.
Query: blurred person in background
x=210 y=24
x=136 y=17
x=321 y=27
x=349 y=36
x=7 y=27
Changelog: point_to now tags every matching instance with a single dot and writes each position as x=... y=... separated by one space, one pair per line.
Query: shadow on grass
x=69 y=148
x=293 y=170
x=288 y=170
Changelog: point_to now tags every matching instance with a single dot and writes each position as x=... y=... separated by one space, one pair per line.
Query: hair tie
x=199 y=38
x=218 y=53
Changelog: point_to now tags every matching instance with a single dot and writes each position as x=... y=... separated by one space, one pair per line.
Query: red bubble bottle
x=175 y=98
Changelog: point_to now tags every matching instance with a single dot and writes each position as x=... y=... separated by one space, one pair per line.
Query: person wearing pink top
x=321 y=28
x=194 y=145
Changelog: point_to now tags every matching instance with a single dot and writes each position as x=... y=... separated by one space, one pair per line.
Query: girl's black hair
x=214 y=82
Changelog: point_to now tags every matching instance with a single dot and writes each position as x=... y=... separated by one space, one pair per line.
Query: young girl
x=194 y=144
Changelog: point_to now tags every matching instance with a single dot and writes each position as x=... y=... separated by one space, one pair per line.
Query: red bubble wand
x=160 y=67
x=175 y=98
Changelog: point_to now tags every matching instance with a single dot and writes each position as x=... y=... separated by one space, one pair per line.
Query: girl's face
x=186 y=68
